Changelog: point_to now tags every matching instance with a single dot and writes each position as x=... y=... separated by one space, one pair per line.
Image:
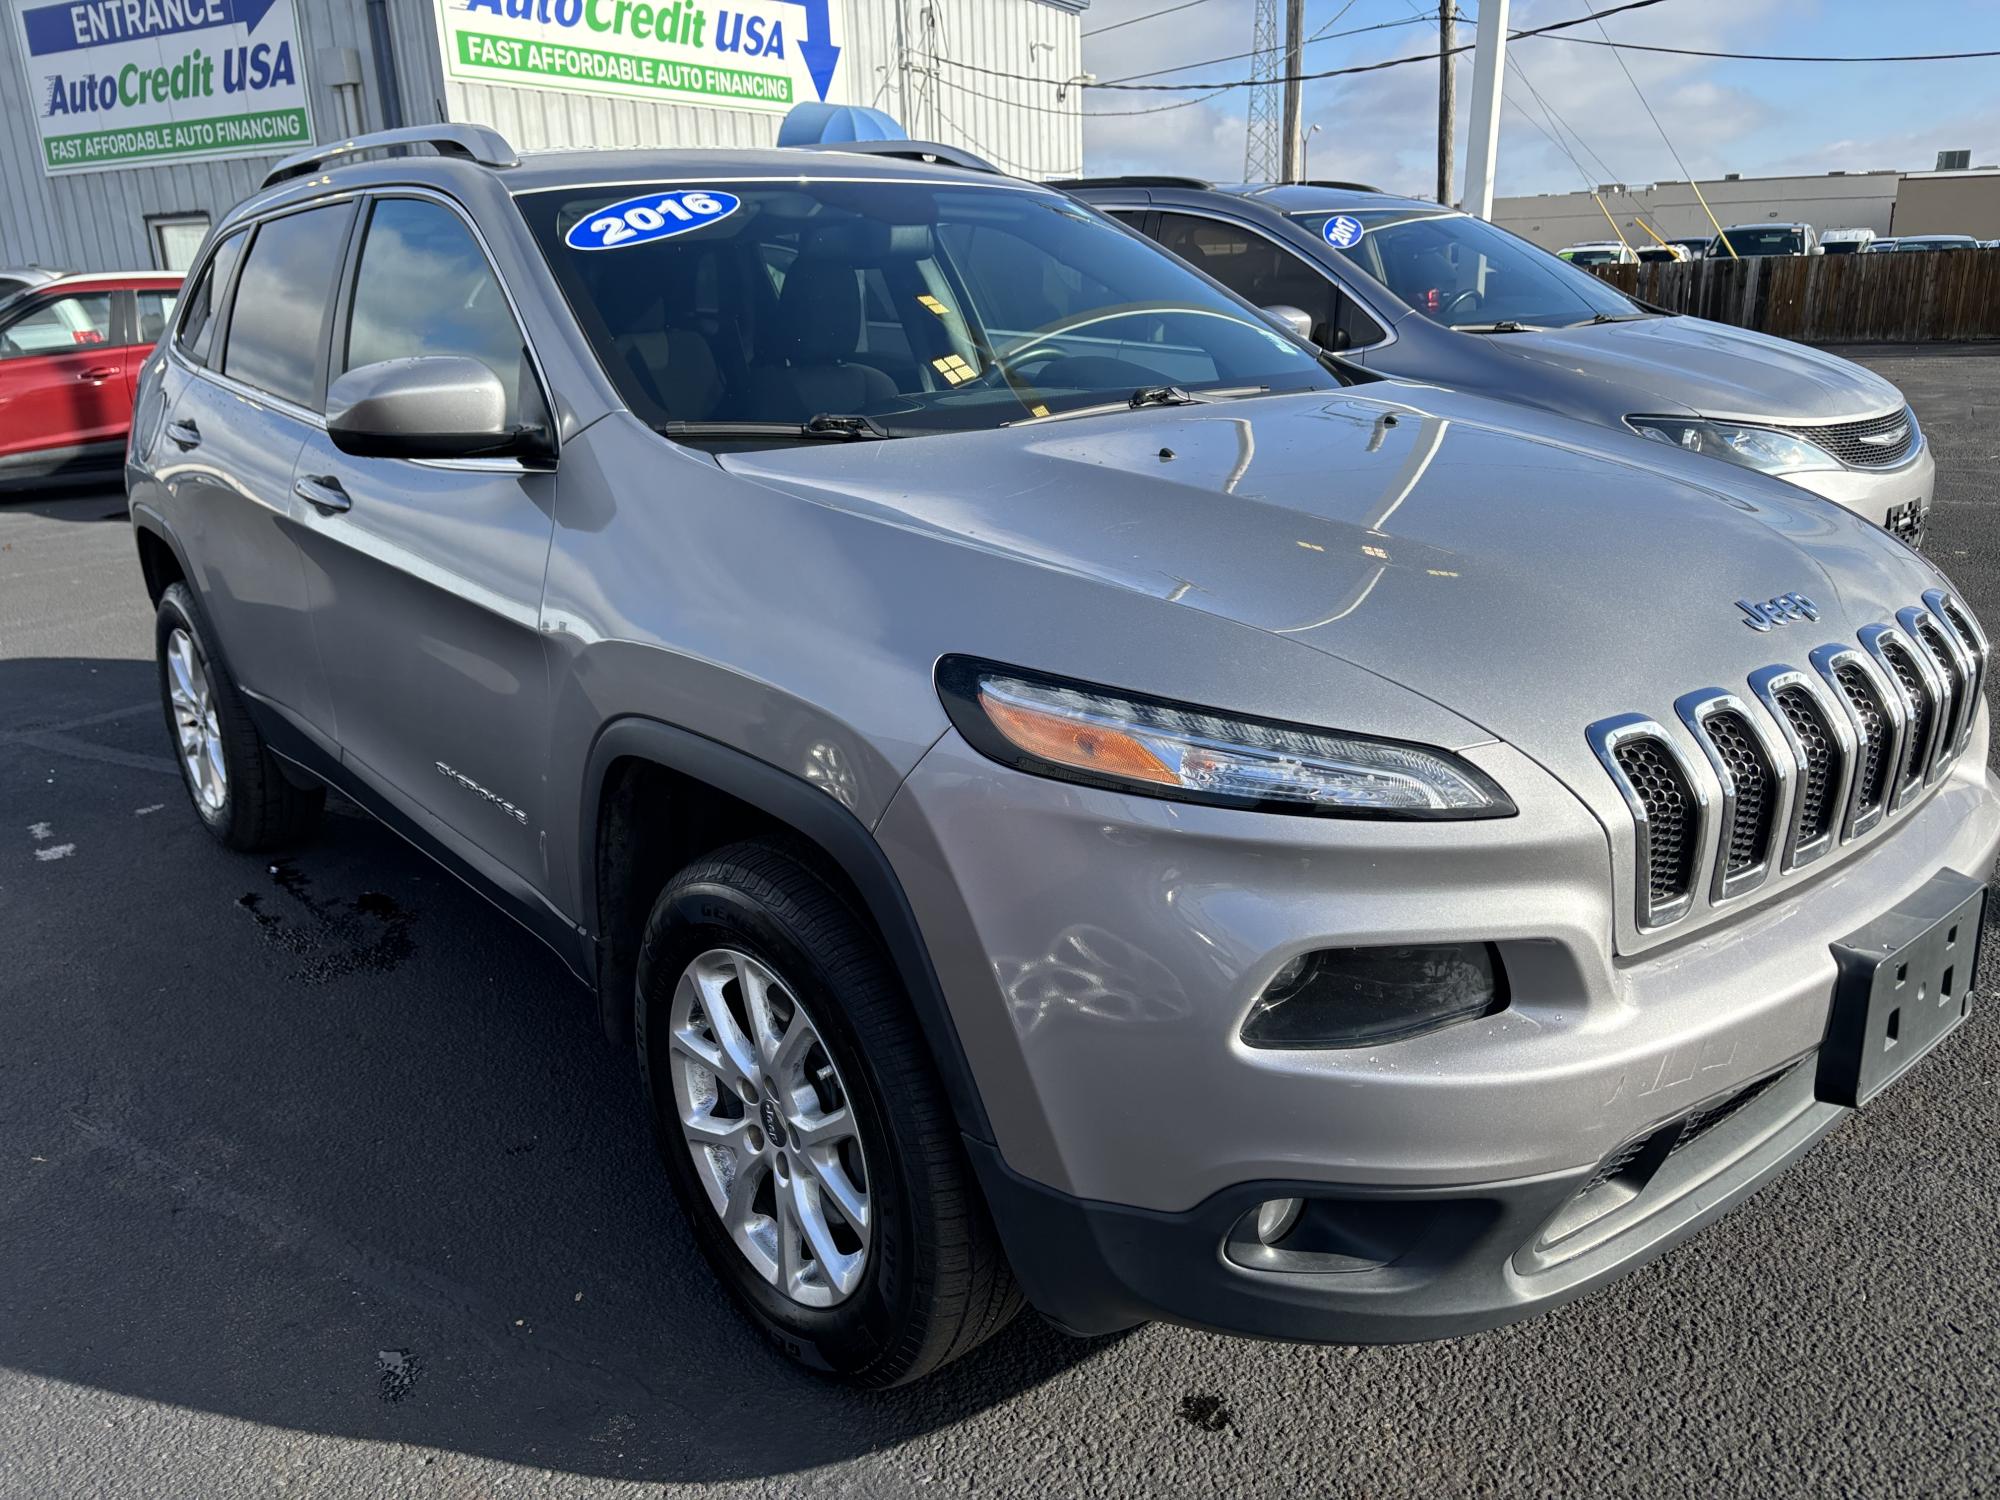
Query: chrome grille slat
x=1953 y=669
x=1850 y=441
x=1669 y=809
x=1907 y=671
x=1754 y=770
x=1876 y=720
x=1972 y=641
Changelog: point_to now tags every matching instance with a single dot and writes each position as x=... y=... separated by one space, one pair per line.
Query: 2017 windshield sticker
x=1343 y=231
x=654 y=216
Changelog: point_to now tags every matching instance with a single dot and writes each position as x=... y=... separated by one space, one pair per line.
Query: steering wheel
x=1033 y=348
x=1468 y=298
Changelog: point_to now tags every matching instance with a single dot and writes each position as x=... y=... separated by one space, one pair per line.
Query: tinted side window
x=281 y=303
x=198 y=325
x=1269 y=275
x=60 y=325
x=156 y=310
x=423 y=287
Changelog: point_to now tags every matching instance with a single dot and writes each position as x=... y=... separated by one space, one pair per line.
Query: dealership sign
x=739 y=54
x=122 y=83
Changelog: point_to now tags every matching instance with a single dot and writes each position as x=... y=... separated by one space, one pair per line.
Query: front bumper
x=1898 y=498
x=1406 y=1265
x=1099 y=954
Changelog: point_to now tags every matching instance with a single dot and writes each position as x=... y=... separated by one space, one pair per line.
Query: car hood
x=1680 y=365
x=1527 y=583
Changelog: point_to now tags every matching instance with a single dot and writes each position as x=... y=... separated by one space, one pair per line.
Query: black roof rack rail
x=1320 y=182
x=1144 y=179
x=474 y=143
x=935 y=153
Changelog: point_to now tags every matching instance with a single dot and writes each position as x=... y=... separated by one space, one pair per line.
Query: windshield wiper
x=826 y=426
x=1160 y=395
x=1505 y=325
x=1596 y=318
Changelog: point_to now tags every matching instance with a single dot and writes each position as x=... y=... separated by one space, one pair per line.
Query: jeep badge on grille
x=1781 y=610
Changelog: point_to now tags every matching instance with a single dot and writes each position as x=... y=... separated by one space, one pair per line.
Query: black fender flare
x=832 y=828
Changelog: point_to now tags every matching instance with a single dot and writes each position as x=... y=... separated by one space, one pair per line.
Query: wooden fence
x=1831 y=299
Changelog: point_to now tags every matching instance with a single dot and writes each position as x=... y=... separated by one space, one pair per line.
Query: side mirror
x=1291 y=319
x=434 y=406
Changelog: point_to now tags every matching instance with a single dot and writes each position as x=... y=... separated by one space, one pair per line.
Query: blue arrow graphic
x=821 y=56
x=104 y=23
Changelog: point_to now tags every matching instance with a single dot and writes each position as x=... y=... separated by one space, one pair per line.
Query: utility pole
x=1294 y=123
x=1447 y=94
x=1483 y=146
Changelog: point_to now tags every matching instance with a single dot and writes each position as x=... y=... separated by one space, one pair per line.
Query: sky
x=1758 y=119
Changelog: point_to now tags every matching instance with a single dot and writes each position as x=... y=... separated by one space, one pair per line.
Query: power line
x=1208 y=62
x=1069 y=113
x=1784 y=57
x=1240 y=83
x=1148 y=16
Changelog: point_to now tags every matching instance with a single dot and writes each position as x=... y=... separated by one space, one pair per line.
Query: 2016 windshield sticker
x=656 y=216
x=1343 y=231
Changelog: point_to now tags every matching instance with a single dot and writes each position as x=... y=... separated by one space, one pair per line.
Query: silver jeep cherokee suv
x=1069 y=792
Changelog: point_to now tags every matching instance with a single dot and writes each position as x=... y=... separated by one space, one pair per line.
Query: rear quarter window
x=277 y=323
x=198 y=322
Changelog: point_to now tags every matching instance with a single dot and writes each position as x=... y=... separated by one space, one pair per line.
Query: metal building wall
x=899 y=55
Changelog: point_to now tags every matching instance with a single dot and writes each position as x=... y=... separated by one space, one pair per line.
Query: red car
x=70 y=354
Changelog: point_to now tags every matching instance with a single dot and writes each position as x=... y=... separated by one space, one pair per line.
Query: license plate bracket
x=1905 y=981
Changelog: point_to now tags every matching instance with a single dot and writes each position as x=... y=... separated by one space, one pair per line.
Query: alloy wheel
x=196 y=727
x=770 y=1127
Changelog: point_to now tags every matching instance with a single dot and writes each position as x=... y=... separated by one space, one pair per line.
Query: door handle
x=184 y=435
x=323 y=493
x=98 y=374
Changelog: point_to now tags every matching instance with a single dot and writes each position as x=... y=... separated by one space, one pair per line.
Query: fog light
x=1353 y=997
x=1276 y=1217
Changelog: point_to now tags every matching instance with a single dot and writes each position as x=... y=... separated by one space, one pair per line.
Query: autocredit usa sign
x=127 y=83
x=741 y=54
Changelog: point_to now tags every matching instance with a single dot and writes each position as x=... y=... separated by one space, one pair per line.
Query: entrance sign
x=121 y=83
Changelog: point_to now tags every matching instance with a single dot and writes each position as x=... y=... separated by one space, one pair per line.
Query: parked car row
x=1426 y=293
x=1763 y=239
x=1309 y=786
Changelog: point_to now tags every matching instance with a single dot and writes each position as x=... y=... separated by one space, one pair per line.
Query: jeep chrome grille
x=1810 y=758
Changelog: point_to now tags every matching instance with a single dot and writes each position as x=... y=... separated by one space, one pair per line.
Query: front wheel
x=806 y=1135
x=236 y=785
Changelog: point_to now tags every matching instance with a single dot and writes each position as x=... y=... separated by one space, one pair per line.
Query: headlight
x=1077 y=732
x=1753 y=447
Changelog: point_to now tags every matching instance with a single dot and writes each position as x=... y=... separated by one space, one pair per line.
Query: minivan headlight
x=1760 y=448
x=1100 y=737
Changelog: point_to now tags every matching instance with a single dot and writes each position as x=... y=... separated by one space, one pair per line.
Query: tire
x=932 y=1282
x=250 y=805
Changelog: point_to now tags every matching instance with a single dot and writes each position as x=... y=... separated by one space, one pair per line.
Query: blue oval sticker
x=655 y=216
x=1343 y=232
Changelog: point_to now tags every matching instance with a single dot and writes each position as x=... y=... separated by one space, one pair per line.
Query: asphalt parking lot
x=316 y=1177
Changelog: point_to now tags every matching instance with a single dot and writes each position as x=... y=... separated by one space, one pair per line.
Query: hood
x=1683 y=366
x=1527 y=583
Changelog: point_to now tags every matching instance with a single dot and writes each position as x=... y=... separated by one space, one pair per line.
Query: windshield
x=1840 y=247
x=1758 y=239
x=1939 y=242
x=926 y=307
x=1463 y=272
x=1593 y=255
